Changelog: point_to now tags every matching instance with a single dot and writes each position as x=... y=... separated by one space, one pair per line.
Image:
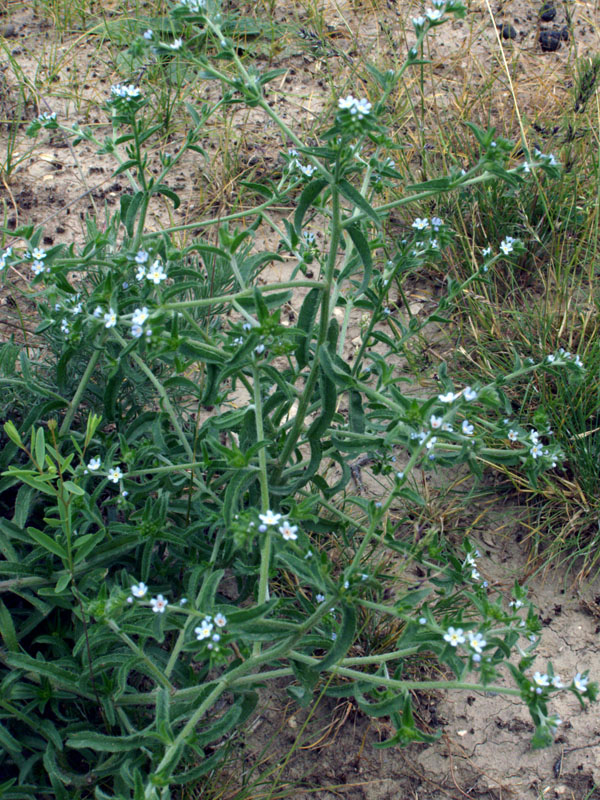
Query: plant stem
x=74 y=404
x=265 y=555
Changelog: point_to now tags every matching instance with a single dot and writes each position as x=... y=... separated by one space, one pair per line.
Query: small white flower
x=148 y=34
x=320 y=598
x=176 y=45
x=577 y=361
x=140 y=274
x=37 y=254
x=141 y=257
x=307 y=170
x=156 y=273
x=347 y=102
x=580 y=682
x=475 y=575
x=469 y=394
x=64 y=326
x=37 y=267
x=536 y=451
x=288 y=531
x=418 y=22
x=467 y=428
x=469 y=560
x=220 y=620
x=422 y=621
x=94 y=464
x=204 y=630
x=434 y=15
x=436 y=223
x=454 y=636
x=259 y=349
x=431 y=442
x=114 y=475
x=513 y=436
x=541 y=680
x=447 y=427
x=449 y=397
x=159 y=604
x=97 y=312
x=420 y=224
x=363 y=107
x=556 y=681
x=550 y=358
x=435 y=422
x=139 y=589
x=506 y=246
x=140 y=315
x=136 y=331
x=110 y=318
x=270 y=518
x=477 y=642
x=486 y=251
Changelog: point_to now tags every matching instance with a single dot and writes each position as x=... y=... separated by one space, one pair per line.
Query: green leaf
x=47 y=669
x=73 y=488
x=107 y=744
x=49 y=544
x=203 y=352
x=162 y=188
x=130 y=204
x=356 y=198
x=344 y=639
x=7 y=629
x=23 y=503
x=305 y=323
x=40 y=448
x=62 y=583
x=364 y=252
x=328 y=394
x=356 y=414
x=206 y=598
x=307 y=198
x=163 y=722
x=10 y=744
x=384 y=708
x=334 y=371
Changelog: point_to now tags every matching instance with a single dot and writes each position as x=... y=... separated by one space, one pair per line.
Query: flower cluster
x=38 y=256
x=140 y=315
x=294 y=164
x=354 y=115
x=155 y=273
x=121 y=91
x=271 y=519
x=207 y=626
x=3 y=258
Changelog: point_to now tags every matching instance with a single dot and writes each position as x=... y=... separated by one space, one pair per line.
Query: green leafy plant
x=187 y=451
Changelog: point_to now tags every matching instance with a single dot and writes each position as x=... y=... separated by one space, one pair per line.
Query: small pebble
x=507 y=31
x=564 y=34
x=547 y=12
x=550 y=40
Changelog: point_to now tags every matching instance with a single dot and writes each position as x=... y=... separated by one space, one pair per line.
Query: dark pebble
x=7 y=31
x=564 y=34
x=507 y=31
x=550 y=40
x=547 y=12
